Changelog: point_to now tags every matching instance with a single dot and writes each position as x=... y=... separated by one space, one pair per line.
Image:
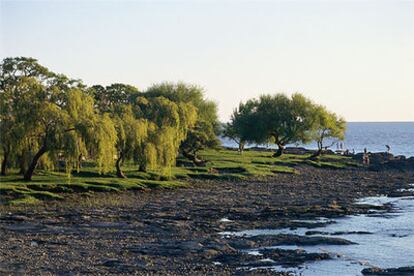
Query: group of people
x=365 y=156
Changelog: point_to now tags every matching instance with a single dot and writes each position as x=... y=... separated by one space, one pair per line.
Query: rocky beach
x=180 y=231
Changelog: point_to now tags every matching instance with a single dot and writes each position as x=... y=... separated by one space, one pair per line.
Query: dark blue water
x=373 y=136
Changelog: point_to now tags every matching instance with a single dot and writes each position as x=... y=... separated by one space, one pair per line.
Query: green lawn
x=222 y=165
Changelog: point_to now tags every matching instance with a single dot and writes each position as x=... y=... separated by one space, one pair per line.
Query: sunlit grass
x=222 y=165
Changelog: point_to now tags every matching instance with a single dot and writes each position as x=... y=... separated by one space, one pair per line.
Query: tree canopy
x=282 y=120
x=328 y=125
x=48 y=119
x=204 y=133
x=243 y=127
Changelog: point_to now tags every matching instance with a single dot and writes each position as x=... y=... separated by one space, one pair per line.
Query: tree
x=278 y=119
x=12 y=71
x=49 y=117
x=132 y=133
x=230 y=131
x=327 y=125
x=204 y=133
x=23 y=82
x=169 y=124
x=149 y=129
x=68 y=130
x=198 y=138
x=115 y=100
x=112 y=97
x=242 y=127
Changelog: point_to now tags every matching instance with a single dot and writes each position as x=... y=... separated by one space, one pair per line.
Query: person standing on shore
x=388 y=148
x=365 y=157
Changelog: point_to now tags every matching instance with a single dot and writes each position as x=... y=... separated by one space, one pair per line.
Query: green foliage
x=112 y=97
x=203 y=133
x=327 y=125
x=105 y=140
x=49 y=114
x=199 y=138
x=283 y=120
x=51 y=122
x=169 y=125
x=242 y=127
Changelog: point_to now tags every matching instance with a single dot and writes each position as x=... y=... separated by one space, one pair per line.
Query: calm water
x=390 y=244
x=374 y=136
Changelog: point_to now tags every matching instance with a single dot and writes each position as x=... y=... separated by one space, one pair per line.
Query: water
x=373 y=136
x=391 y=243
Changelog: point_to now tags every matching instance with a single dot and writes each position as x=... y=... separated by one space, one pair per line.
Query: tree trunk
x=316 y=155
x=118 y=162
x=193 y=157
x=279 y=152
x=22 y=164
x=4 y=163
x=29 y=173
x=142 y=168
x=80 y=161
x=241 y=147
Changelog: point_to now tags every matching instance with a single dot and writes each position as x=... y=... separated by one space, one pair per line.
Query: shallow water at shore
x=382 y=239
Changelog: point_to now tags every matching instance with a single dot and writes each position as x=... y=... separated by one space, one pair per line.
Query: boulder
x=408 y=270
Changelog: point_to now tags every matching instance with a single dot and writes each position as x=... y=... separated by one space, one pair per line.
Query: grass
x=223 y=165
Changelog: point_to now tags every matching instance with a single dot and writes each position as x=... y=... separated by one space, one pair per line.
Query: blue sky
x=355 y=57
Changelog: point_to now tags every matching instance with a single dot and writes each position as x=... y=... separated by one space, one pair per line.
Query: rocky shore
x=179 y=232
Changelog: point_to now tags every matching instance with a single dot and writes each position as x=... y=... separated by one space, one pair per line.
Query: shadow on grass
x=88 y=174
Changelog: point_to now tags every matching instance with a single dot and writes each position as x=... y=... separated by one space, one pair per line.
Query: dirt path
x=176 y=232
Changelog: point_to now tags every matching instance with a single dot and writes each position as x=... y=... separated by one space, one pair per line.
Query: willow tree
x=168 y=126
x=67 y=130
x=112 y=97
x=51 y=117
x=328 y=125
x=132 y=132
x=204 y=132
x=24 y=83
x=116 y=100
x=12 y=72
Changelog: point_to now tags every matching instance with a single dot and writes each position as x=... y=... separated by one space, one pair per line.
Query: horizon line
x=402 y=121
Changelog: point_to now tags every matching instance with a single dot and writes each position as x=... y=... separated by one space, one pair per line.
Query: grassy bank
x=222 y=165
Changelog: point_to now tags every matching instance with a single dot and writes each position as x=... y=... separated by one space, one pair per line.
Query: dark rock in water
x=298 y=240
x=292 y=257
x=310 y=233
x=401 y=193
x=408 y=270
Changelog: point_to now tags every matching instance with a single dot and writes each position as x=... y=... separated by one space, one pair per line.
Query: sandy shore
x=176 y=232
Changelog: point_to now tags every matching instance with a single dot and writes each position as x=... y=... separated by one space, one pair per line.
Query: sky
x=354 y=57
